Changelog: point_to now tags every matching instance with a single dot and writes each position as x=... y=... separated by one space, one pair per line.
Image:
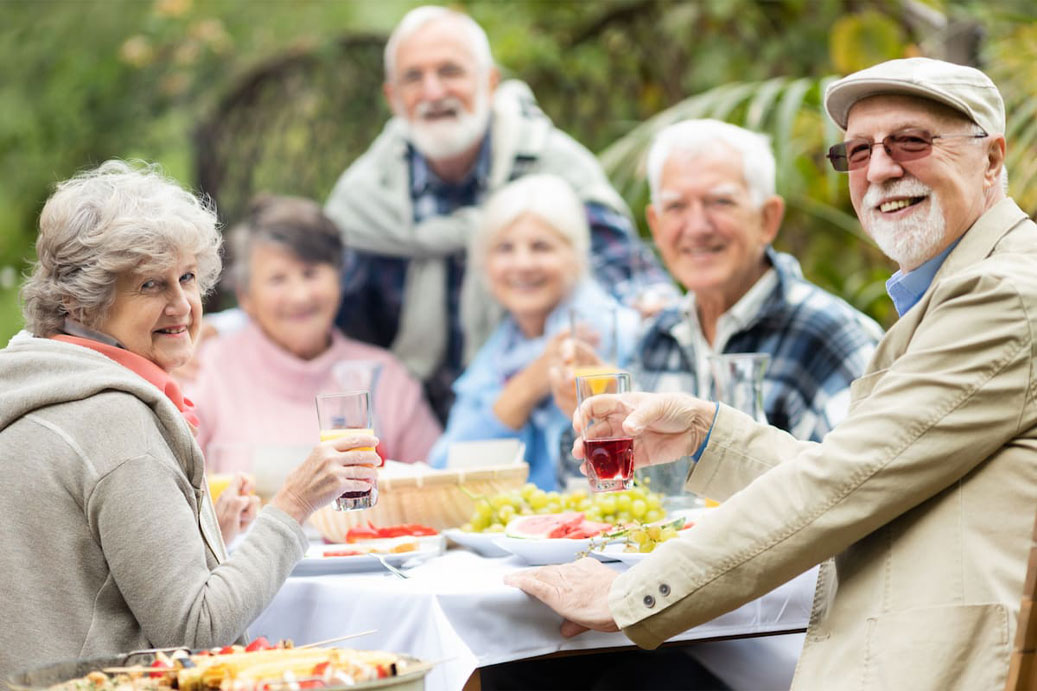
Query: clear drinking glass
x=738 y=381
x=360 y=375
x=608 y=450
x=598 y=328
x=343 y=415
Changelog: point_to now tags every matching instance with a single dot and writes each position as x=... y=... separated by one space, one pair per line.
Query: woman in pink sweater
x=256 y=385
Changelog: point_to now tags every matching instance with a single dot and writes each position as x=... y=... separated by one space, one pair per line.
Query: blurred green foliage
x=86 y=80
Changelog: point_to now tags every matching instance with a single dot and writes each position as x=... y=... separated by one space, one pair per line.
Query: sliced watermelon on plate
x=569 y=525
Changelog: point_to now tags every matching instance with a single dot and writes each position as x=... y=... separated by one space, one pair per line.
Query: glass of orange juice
x=342 y=415
x=218 y=483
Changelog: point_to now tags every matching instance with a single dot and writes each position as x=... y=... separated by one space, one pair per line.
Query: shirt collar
x=74 y=328
x=906 y=289
x=740 y=315
x=423 y=178
x=737 y=318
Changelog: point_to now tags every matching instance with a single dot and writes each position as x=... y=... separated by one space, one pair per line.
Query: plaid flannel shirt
x=817 y=344
x=373 y=284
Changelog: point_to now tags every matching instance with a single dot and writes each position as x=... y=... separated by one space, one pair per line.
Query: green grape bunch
x=637 y=504
x=646 y=538
x=642 y=537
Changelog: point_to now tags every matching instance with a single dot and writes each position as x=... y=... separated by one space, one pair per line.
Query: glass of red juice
x=608 y=450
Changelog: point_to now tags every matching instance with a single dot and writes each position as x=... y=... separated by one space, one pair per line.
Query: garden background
x=237 y=96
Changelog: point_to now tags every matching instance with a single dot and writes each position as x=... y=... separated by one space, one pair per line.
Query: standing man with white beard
x=409 y=204
x=925 y=493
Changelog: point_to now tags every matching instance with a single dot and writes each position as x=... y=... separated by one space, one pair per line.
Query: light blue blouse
x=506 y=353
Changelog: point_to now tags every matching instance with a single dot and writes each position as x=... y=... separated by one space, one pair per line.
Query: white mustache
x=443 y=105
x=904 y=187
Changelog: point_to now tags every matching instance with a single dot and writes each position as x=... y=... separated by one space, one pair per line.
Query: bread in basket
x=436 y=498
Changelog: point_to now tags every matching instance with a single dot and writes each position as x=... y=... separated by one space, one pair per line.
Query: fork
x=389 y=567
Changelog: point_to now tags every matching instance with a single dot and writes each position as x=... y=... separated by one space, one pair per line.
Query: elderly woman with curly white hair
x=110 y=539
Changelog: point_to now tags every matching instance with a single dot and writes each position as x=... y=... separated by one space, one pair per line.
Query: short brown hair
x=294 y=223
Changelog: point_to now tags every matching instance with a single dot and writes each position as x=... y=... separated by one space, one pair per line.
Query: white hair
x=547 y=197
x=705 y=137
x=105 y=222
x=426 y=14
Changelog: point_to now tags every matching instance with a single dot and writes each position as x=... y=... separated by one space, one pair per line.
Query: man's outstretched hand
x=578 y=591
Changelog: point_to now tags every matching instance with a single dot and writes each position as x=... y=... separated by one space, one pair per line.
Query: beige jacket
x=925 y=494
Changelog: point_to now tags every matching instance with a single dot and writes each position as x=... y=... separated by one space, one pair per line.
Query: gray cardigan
x=110 y=542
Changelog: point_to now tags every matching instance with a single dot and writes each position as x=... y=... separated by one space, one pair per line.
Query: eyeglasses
x=906 y=145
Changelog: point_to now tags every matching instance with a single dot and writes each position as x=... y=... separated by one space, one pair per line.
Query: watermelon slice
x=571 y=525
x=589 y=529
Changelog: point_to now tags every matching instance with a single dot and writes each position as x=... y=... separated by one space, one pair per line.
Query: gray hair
x=103 y=223
x=296 y=224
x=426 y=14
x=547 y=197
x=704 y=137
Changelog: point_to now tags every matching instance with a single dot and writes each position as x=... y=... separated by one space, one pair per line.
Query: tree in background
x=236 y=96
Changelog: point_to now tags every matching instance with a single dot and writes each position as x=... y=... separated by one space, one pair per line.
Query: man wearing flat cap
x=925 y=494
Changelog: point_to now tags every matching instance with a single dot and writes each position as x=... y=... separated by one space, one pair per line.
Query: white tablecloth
x=455 y=608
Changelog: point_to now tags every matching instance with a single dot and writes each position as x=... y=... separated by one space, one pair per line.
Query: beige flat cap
x=965 y=89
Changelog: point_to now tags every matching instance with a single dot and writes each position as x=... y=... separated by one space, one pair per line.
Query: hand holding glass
x=343 y=415
x=609 y=451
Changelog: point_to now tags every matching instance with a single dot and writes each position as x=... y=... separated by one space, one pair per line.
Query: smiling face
x=294 y=302
x=439 y=89
x=711 y=236
x=157 y=315
x=530 y=268
x=915 y=209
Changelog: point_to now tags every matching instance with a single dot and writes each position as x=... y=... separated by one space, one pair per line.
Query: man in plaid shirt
x=408 y=205
x=714 y=213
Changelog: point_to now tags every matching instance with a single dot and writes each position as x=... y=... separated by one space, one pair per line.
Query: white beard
x=449 y=137
x=913 y=240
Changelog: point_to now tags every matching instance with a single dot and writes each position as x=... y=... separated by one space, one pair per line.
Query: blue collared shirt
x=907 y=289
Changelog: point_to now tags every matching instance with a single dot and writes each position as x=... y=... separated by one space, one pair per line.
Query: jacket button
x=664 y=590
x=649 y=601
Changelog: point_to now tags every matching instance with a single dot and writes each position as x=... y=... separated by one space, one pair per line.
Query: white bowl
x=540 y=551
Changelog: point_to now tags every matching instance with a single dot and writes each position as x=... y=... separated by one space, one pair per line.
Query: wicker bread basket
x=437 y=498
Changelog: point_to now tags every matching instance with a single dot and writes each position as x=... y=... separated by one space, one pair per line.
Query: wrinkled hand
x=571 y=353
x=578 y=591
x=236 y=507
x=550 y=358
x=333 y=467
x=665 y=426
x=527 y=388
x=654 y=298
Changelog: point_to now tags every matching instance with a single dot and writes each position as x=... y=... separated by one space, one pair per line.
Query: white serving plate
x=480 y=543
x=614 y=552
x=540 y=551
x=315 y=563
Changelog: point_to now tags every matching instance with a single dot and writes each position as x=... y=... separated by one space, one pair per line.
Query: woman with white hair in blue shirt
x=532 y=251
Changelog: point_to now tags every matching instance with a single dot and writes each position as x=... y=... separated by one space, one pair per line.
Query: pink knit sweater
x=250 y=391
